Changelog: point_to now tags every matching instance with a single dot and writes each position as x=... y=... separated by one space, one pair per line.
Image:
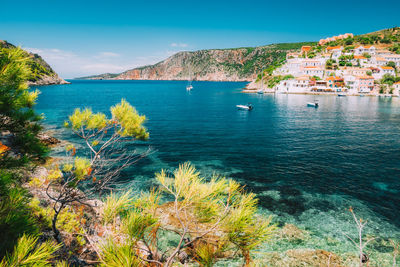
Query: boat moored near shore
x=245 y=107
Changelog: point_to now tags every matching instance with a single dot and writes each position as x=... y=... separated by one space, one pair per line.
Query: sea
x=307 y=165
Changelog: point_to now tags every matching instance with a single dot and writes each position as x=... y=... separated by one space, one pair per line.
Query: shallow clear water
x=307 y=165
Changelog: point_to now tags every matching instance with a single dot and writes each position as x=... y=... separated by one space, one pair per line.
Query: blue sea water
x=306 y=165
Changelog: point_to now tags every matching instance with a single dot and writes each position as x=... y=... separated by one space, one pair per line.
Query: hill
x=105 y=76
x=236 y=64
x=43 y=74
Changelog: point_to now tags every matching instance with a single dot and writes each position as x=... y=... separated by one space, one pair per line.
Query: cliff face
x=42 y=73
x=239 y=64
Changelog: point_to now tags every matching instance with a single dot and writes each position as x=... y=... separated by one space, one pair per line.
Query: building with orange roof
x=365 y=83
x=386 y=70
x=335 y=82
x=379 y=61
x=305 y=49
x=369 y=49
x=331 y=48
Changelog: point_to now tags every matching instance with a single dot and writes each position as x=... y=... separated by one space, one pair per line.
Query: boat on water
x=189 y=85
x=387 y=95
x=245 y=107
x=260 y=92
x=341 y=94
x=312 y=104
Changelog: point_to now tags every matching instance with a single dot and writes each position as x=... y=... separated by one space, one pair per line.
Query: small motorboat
x=312 y=104
x=245 y=107
x=189 y=87
x=387 y=95
x=341 y=94
x=260 y=92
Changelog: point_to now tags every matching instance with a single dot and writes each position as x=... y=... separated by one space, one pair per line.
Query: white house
x=351 y=83
x=363 y=60
x=370 y=49
x=354 y=71
x=312 y=63
x=313 y=71
x=396 y=90
x=297 y=85
x=379 y=61
x=393 y=57
x=387 y=70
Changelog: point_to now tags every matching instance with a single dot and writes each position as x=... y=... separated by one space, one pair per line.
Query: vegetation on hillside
x=38 y=67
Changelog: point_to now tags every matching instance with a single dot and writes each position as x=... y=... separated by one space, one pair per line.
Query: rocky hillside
x=105 y=76
x=43 y=74
x=237 y=64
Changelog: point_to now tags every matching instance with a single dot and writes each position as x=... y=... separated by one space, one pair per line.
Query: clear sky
x=91 y=37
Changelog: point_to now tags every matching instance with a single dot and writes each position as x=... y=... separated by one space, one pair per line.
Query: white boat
x=245 y=107
x=312 y=104
x=387 y=95
x=189 y=85
x=260 y=92
x=341 y=94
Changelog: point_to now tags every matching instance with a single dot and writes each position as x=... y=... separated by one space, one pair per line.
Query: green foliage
x=391 y=64
x=274 y=80
x=130 y=121
x=30 y=253
x=388 y=79
x=240 y=223
x=137 y=223
x=68 y=221
x=15 y=215
x=206 y=255
x=366 y=55
x=62 y=264
x=118 y=255
x=86 y=118
x=16 y=103
x=125 y=120
x=348 y=41
x=115 y=205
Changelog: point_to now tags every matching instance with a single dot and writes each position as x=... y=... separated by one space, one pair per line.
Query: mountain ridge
x=225 y=64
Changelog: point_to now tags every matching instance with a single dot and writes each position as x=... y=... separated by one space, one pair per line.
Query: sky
x=86 y=37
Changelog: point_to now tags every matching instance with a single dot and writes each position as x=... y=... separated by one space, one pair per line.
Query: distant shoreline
x=317 y=93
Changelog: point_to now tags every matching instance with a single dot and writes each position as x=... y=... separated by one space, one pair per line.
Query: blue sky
x=91 y=37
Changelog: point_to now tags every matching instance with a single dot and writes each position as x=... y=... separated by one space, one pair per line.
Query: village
x=341 y=69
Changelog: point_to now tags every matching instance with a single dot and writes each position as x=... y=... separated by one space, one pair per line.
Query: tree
x=82 y=178
x=29 y=252
x=211 y=218
x=20 y=124
x=366 y=55
x=16 y=106
x=391 y=64
x=348 y=41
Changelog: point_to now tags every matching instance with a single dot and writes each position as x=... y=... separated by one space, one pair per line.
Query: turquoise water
x=307 y=165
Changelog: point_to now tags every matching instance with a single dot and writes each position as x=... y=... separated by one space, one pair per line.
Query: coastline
x=252 y=91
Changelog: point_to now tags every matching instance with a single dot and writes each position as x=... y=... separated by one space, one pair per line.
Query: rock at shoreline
x=49 y=80
x=48 y=140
